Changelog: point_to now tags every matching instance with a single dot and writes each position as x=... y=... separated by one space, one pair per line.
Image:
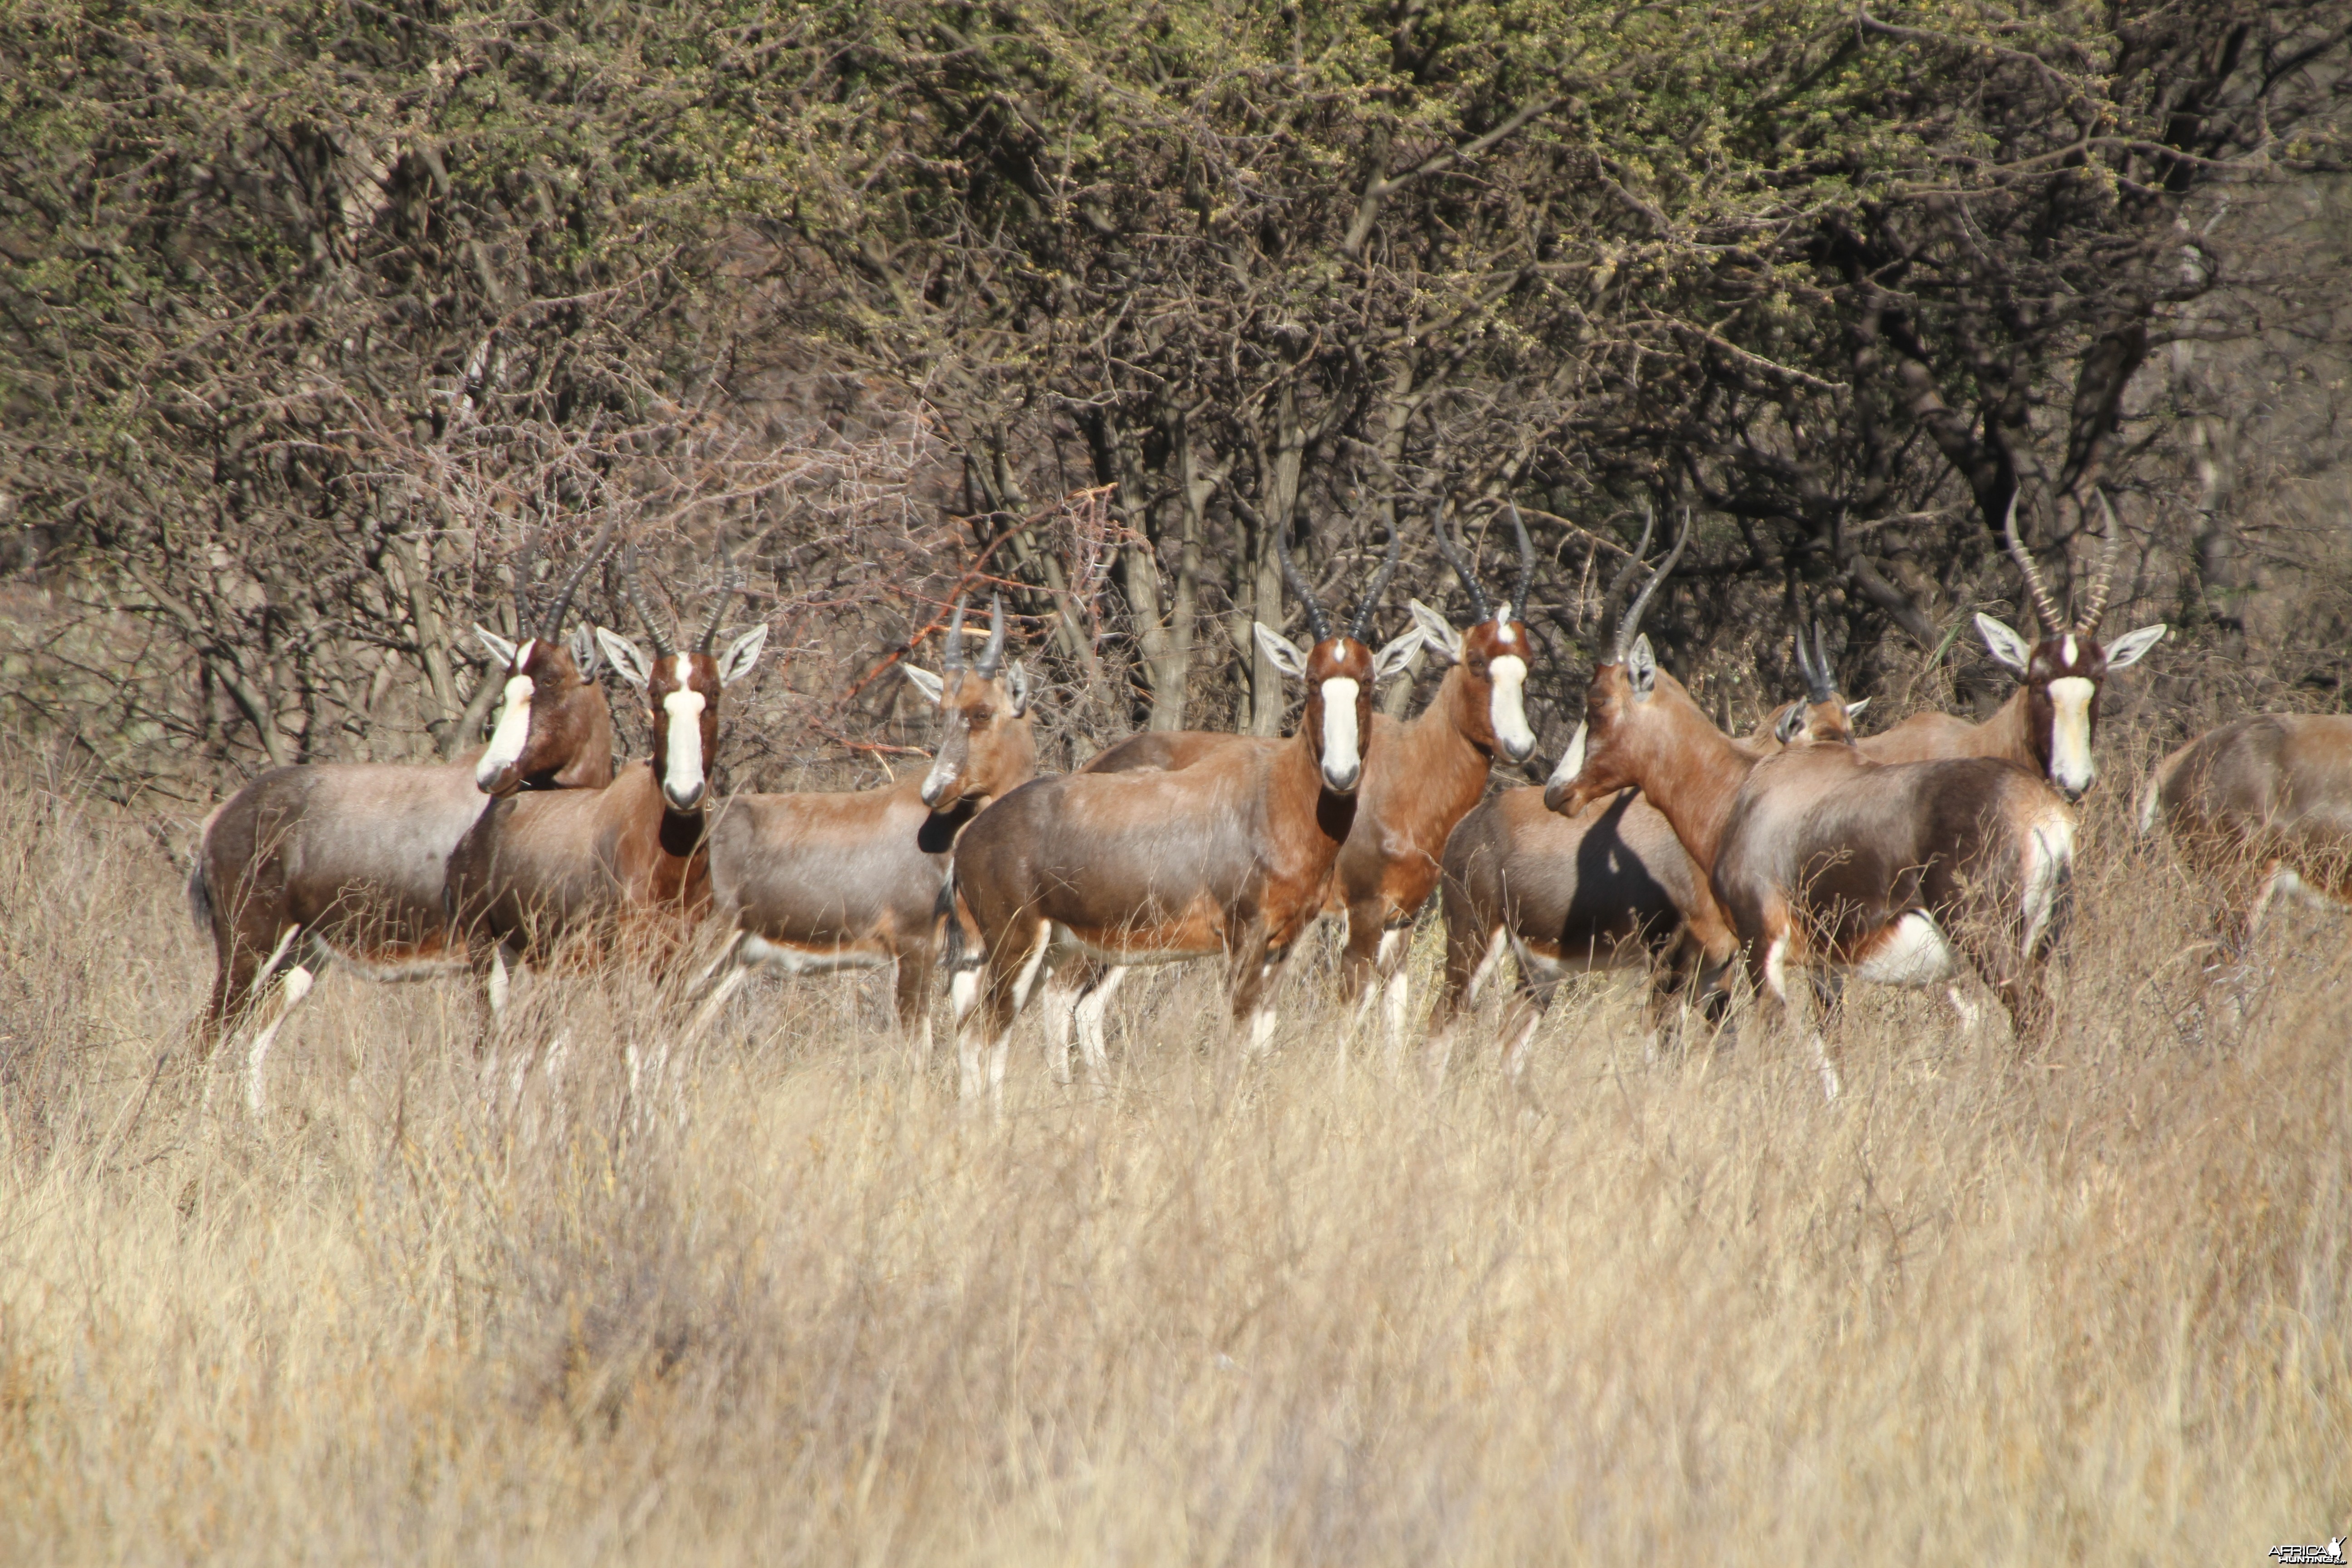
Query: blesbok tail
x=2151 y=796
x=950 y=940
x=200 y=904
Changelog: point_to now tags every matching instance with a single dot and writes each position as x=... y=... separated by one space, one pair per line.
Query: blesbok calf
x=1894 y=872
x=2261 y=808
x=815 y=882
x=1420 y=778
x=315 y=862
x=2051 y=722
x=1230 y=856
x=538 y=868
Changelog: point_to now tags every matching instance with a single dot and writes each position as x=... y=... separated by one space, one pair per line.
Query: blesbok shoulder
x=1231 y=856
x=2260 y=809
x=844 y=880
x=312 y=863
x=2051 y=722
x=587 y=868
x=1893 y=872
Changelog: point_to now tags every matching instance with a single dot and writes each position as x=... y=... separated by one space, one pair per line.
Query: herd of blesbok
x=1795 y=858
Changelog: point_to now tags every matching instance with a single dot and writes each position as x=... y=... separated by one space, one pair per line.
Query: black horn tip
x=1525 y=587
x=992 y=656
x=951 y=651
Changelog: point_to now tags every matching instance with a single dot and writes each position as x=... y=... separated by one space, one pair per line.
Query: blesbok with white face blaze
x=1893 y=872
x=540 y=868
x=825 y=881
x=314 y=862
x=2051 y=720
x=1420 y=778
x=1230 y=856
x=2260 y=809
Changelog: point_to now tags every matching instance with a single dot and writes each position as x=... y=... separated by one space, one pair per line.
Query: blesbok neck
x=2009 y=732
x=1294 y=784
x=1435 y=748
x=591 y=765
x=1691 y=772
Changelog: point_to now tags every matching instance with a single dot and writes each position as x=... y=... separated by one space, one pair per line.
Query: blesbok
x=815 y=882
x=2261 y=808
x=315 y=862
x=1420 y=778
x=1893 y=871
x=2052 y=720
x=1230 y=856
x=538 y=868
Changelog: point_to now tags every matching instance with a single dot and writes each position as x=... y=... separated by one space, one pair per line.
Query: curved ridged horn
x=991 y=655
x=552 y=626
x=1631 y=625
x=1526 y=585
x=1624 y=578
x=731 y=579
x=1371 y=599
x=524 y=619
x=2040 y=590
x=654 y=632
x=1305 y=593
x=1820 y=686
x=2096 y=608
x=952 y=655
x=1453 y=557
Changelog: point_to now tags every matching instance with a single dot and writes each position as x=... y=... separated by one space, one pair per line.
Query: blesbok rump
x=2259 y=809
x=1420 y=777
x=1894 y=872
x=823 y=881
x=1231 y=856
x=576 y=867
x=316 y=862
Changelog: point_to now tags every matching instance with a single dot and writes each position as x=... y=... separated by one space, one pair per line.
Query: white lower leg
x=1970 y=1014
x=1089 y=1017
x=500 y=984
x=1398 y=998
x=1059 y=1001
x=296 y=986
x=707 y=1014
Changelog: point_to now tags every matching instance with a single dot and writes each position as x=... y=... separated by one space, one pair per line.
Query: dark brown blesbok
x=825 y=881
x=316 y=862
x=1231 y=856
x=1893 y=872
x=588 y=869
x=2259 y=809
x=1420 y=777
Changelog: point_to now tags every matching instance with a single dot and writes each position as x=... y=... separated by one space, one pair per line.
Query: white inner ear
x=627 y=659
x=1852 y=709
x=2129 y=649
x=1642 y=667
x=2070 y=698
x=1394 y=659
x=1342 y=758
x=1507 y=709
x=932 y=686
x=1019 y=688
x=1280 y=649
x=497 y=646
x=1436 y=631
x=2004 y=644
x=740 y=657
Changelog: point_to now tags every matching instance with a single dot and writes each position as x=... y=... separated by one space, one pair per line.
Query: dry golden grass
x=791 y=1305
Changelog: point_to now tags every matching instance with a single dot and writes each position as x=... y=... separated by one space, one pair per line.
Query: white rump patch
x=2070 y=768
x=2048 y=860
x=1915 y=954
x=1343 y=762
x=1508 y=709
x=513 y=731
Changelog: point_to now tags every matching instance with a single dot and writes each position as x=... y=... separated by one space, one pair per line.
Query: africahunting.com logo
x=2331 y=1552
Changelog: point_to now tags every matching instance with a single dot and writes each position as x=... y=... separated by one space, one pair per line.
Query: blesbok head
x=1610 y=748
x=682 y=690
x=987 y=747
x=1823 y=715
x=552 y=723
x=1494 y=651
x=2063 y=672
x=1338 y=671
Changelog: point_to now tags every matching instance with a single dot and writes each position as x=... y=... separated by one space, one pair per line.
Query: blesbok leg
x=296 y=986
x=917 y=966
x=1768 y=957
x=1472 y=951
x=1008 y=973
x=1088 y=1015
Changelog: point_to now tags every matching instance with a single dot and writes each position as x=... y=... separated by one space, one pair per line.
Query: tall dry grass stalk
x=786 y=1304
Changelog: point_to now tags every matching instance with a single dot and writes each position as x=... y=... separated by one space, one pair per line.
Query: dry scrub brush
x=781 y=1302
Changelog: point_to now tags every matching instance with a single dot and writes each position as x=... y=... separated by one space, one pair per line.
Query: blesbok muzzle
x=1507 y=709
x=1343 y=754
x=1559 y=790
x=683 y=783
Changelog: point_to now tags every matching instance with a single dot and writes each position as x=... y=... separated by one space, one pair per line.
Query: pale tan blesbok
x=1898 y=873
x=1231 y=856
x=318 y=862
x=812 y=882
x=2261 y=810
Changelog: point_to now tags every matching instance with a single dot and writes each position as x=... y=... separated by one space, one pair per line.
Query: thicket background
x=308 y=311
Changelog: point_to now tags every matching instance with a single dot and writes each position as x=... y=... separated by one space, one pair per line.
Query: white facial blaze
x=1571 y=761
x=513 y=729
x=942 y=777
x=2070 y=768
x=682 y=770
x=1342 y=761
x=1508 y=708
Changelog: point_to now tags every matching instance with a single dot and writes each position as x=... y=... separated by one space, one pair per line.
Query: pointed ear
x=2127 y=649
x=1853 y=710
x=629 y=661
x=1019 y=682
x=1437 y=632
x=497 y=647
x=1280 y=649
x=1641 y=668
x=737 y=662
x=583 y=643
x=1790 y=724
x=1395 y=658
x=932 y=686
x=2004 y=644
